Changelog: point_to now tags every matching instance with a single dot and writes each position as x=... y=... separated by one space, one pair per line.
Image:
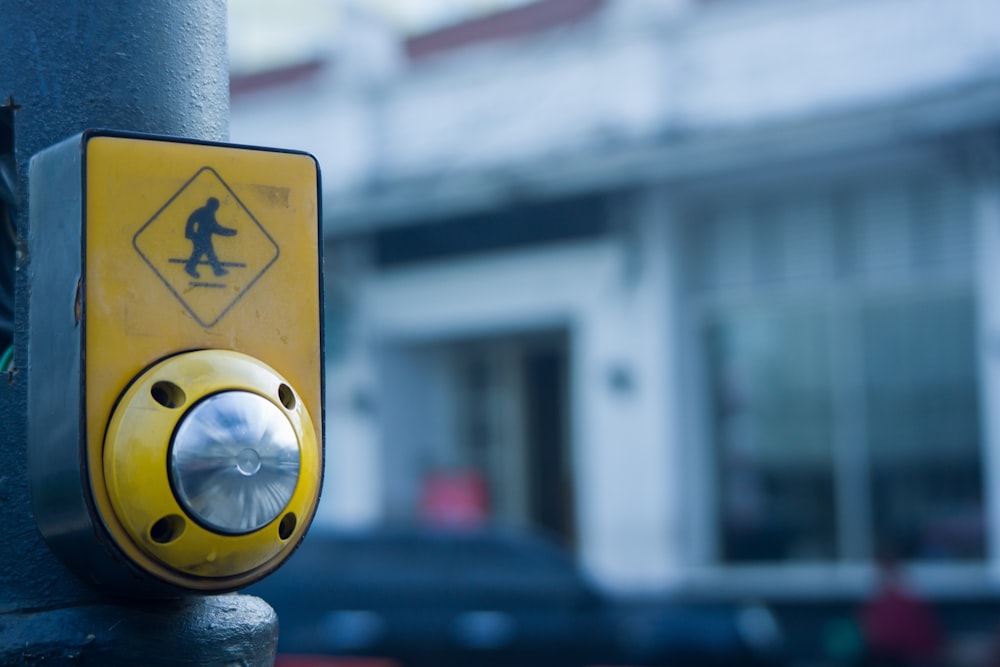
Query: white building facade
x=707 y=290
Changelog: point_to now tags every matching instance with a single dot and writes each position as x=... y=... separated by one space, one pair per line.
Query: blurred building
x=708 y=290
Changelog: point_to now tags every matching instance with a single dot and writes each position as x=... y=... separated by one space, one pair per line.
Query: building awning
x=681 y=157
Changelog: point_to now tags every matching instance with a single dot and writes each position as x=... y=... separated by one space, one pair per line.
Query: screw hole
x=167 y=529
x=168 y=394
x=287 y=526
x=286 y=396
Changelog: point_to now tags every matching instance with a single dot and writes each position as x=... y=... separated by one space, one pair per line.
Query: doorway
x=483 y=421
x=513 y=424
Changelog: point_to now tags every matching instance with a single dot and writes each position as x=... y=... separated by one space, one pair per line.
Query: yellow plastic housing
x=148 y=522
x=139 y=306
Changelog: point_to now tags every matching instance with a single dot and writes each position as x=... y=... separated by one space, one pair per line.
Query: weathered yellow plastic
x=138 y=484
x=138 y=307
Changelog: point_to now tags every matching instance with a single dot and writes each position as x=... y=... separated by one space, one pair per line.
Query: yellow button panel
x=192 y=246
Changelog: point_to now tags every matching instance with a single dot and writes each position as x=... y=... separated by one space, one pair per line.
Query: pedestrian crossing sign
x=206 y=246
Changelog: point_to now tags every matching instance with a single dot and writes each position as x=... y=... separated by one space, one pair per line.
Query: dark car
x=419 y=598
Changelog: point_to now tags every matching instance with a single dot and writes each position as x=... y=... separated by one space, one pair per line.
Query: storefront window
x=777 y=378
x=838 y=340
x=771 y=407
x=923 y=428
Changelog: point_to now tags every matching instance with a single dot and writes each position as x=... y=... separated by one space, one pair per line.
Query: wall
x=611 y=82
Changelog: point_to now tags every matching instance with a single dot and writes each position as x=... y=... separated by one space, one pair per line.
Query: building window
x=772 y=416
x=837 y=333
x=922 y=417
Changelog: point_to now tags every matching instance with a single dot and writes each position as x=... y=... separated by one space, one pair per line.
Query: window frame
x=850 y=573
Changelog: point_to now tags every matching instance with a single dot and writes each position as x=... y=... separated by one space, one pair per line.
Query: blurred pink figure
x=899 y=627
x=455 y=499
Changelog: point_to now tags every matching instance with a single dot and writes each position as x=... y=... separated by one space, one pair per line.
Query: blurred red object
x=898 y=625
x=455 y=499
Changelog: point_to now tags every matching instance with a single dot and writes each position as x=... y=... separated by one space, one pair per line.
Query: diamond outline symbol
x=239 y=202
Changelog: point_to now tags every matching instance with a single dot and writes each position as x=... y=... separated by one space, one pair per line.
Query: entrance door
x=478 y=429
x=512 y=423
x=549 y=469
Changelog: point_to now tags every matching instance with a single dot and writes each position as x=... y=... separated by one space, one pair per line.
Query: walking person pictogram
x=201 y=226
x=179 y=243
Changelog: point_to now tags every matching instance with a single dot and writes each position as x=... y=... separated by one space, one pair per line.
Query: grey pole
x=156 y=66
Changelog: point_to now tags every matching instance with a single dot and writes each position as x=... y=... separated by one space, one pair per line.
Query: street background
x=703 y=290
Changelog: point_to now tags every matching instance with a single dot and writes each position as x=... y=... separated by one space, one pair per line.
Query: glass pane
x=923 y=427
x=772 y=427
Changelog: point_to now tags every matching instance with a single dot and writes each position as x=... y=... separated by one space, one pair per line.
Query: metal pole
x=156 y=66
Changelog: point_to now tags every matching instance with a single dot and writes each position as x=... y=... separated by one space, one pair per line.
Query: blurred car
x=419 y=598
